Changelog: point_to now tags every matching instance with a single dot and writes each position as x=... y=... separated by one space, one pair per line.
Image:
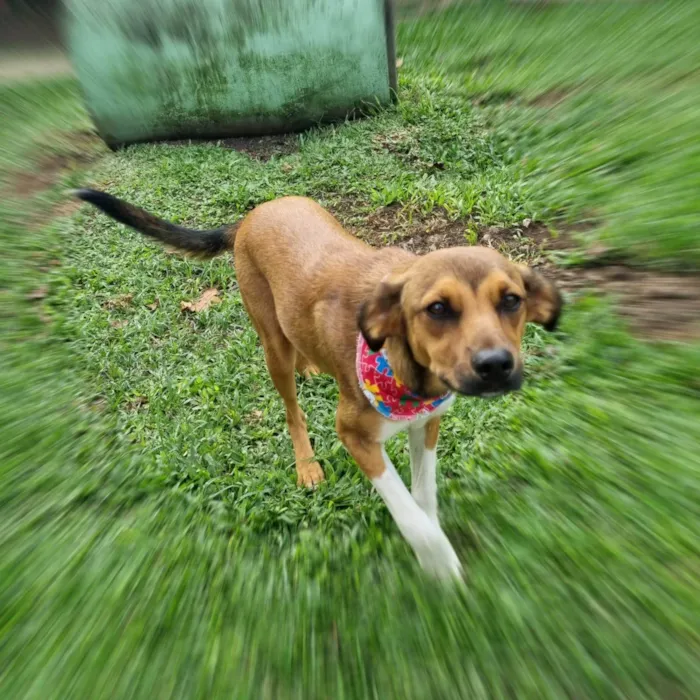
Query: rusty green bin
x=177 y=69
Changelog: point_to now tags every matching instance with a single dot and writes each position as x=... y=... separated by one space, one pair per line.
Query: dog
x=401 y=333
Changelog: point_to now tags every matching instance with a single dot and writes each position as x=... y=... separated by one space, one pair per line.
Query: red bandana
x=385 y=391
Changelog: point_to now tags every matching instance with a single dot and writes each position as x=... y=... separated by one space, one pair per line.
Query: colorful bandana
x=385 y=391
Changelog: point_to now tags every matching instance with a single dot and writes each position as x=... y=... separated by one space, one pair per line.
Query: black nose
x=493 y=365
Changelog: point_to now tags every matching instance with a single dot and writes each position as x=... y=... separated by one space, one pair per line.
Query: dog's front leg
x=434 y=551
x=429 y=542
x=422 y=442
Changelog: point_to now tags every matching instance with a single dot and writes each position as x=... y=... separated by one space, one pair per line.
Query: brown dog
x=399 y=332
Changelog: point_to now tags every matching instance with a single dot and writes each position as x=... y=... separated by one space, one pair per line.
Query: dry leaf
x=38 y=293
x=254 y=417
x=136 y=402
x=209 y=296
x=118 y=324
x=154 y=305
x=98 y=405
x=399 y=62
x=120 y=302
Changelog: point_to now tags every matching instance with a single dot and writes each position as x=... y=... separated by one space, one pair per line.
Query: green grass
x=153 y=543
x=597 y=103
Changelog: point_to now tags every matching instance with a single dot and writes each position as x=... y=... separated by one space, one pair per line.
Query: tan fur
x=432 y=430
x=304 y=280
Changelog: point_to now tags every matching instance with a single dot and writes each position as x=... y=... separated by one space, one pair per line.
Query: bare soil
x=550 y=98
x=260 y=148
x=657 y=306
x=69 y=151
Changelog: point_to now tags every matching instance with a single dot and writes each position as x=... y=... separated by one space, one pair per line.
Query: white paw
x=440 y=559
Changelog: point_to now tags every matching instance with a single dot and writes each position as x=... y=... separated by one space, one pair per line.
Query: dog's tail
x=205 y=244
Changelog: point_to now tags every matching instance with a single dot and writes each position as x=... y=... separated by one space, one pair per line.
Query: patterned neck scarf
x=385 y=391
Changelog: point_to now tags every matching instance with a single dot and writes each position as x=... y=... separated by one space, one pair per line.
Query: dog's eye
x=511 y=302
x=438 y=309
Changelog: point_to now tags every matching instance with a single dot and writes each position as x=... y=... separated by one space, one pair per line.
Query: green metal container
x=173 y=69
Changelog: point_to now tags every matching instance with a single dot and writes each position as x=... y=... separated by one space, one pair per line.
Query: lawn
x=153 y=543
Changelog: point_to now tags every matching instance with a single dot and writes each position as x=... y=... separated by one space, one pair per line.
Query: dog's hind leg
x=280 y=357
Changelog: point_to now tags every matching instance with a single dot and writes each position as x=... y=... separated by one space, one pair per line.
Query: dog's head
x=460 y=314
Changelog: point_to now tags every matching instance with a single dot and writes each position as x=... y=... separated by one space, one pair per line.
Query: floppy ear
x=381 y=316
x=544 y=301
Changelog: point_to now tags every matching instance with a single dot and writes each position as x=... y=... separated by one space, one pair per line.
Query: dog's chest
x=389 y=428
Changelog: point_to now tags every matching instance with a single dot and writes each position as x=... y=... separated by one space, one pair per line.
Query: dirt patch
x=69 y=151
x=45 y=174
x=398 y=226
x=657 y=306
x=528 y=243
x=422 y=233
x=66 y=208
x=492 y=98
x=264 y=147
x=260 y=148
x=550 y=98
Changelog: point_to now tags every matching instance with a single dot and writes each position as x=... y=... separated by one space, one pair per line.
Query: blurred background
x=153 y=542
x=31 y=40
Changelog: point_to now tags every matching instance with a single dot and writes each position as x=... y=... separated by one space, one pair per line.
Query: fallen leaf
x=154 y=305
x=38 y=293
x=136 y=402
x=254 y=417
x=98 y=405
x=120 y=302
x=399 y=62
x=209 y=296
x=118 y=324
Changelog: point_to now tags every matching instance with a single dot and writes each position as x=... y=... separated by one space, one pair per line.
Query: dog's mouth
x=479 y=388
